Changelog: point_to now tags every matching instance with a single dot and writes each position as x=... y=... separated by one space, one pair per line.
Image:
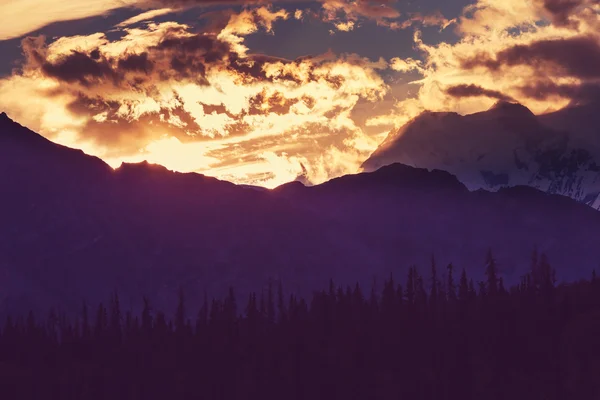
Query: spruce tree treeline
x=435 y=337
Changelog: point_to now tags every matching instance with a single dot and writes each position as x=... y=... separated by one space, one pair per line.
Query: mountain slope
x=581 y=121
x=75 y=229
x=407 y=214
x=504 y=146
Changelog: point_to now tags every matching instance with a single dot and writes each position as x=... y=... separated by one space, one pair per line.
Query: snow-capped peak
x=506 y=145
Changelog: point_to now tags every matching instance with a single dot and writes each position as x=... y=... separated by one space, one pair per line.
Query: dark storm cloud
x=134 y=62
x=584 y=93
x=472 y=90
x=77 y=67
x=80 y=67
x=577 y=57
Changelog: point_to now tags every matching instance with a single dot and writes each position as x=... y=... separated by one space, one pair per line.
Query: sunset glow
x=194 y=94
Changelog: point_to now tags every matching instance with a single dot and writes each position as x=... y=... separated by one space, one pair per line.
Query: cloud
x=402 y=112
x=433 y=19
x=345 y=15
x=562 y=12
x=345 y=26
x=578 y=93
x=145 y=16
x=577 y=56
x=476 y=91
x=198 y=99
x=513 y=50
x=406 y=65
x=17 y=18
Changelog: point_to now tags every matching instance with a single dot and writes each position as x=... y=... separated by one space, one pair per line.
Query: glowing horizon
x=203 y=95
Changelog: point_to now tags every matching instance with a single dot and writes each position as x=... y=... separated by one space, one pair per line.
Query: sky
x=264 y=93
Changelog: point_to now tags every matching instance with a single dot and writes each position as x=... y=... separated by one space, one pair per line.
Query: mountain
x=505 y=146
x=581 y=121
x=406 y=214
x=74 y=229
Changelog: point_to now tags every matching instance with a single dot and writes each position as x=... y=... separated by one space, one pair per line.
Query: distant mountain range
x=73 y=228
x=508 y=145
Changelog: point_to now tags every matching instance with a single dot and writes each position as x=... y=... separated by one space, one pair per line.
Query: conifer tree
x=451 y=288
x=491 y=272
x=202 y=318
x=472 y=292
x=374 y=300
x=101 y=321
x=262 y=305
x=230 y=306
x=146 y=317
x=215 y=313
x=180 y=313
x=85 y=325
x=501 y=289
x=463 y=289
x=399 y=297
x=410 y=286
x=420 y=291
x=251 y=308
x=115 y=318
x=388 y=298
x=281 y=308
x=270 y=303
x=434 y=282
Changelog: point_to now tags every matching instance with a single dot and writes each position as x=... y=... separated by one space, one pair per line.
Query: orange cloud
x=544 y=54
x=406 y=65
x=434 y=19
x=18 y=18
x=203 y=101
x=199 y=101
x=145 y=16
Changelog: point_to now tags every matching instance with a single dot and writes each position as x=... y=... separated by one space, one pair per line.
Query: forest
x=434 y=334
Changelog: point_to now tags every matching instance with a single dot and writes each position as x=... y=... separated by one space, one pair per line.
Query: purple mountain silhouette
x=74 y=229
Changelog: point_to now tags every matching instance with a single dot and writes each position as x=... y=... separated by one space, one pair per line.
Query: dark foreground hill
x=73 y=229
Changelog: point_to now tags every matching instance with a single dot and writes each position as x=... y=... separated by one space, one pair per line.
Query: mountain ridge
x=505 y=145
x=71 y=233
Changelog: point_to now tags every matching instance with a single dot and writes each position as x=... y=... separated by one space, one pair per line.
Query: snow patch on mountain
x=505 y=146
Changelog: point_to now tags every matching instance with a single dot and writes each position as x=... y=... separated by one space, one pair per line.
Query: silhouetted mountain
x=582 y=122
x=75 y=229
x=72 y=227
x=405 y=213
x=504 y=146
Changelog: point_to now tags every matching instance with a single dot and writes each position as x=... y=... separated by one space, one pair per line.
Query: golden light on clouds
x=509 y=49
x=199 y=99
x=148 y=15
x=19 y=17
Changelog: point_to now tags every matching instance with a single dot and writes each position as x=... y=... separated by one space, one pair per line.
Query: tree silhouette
x=534 y=340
